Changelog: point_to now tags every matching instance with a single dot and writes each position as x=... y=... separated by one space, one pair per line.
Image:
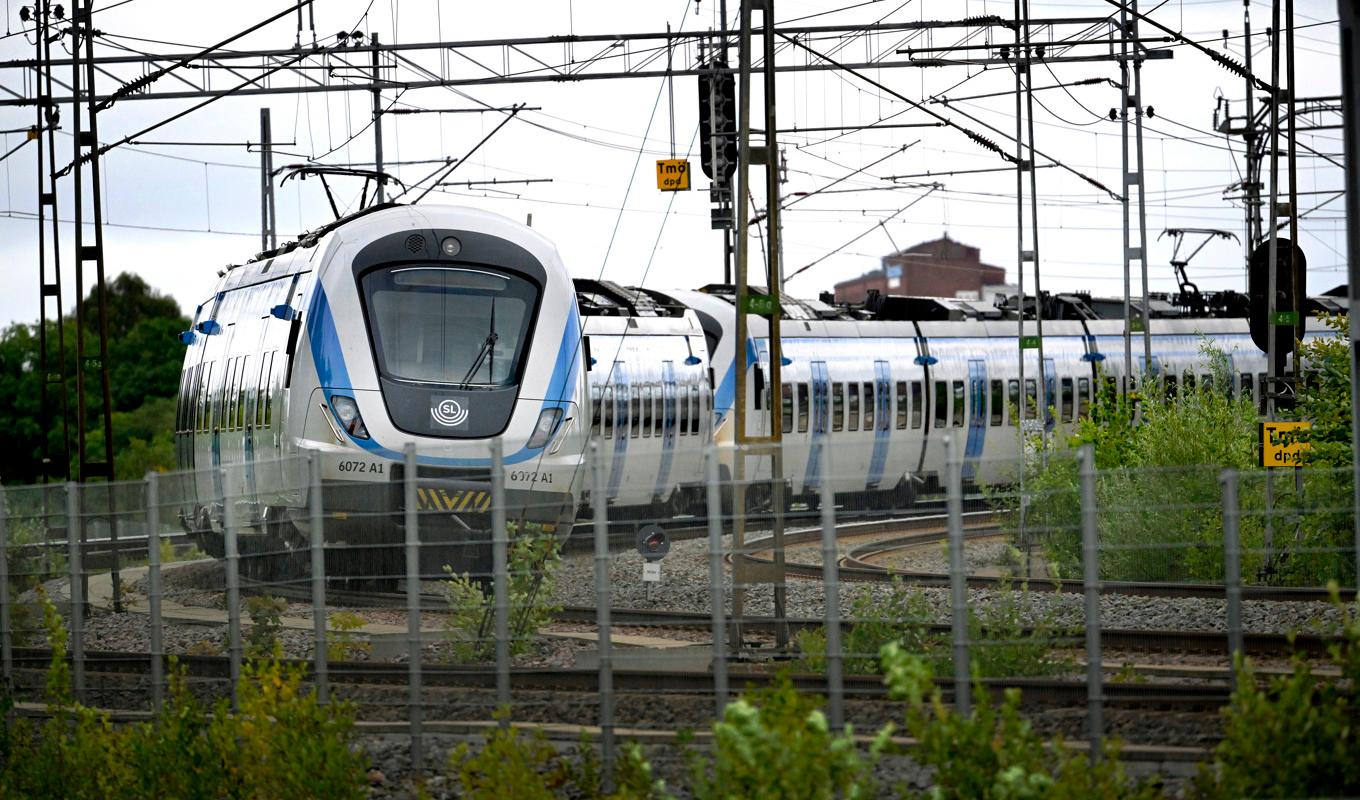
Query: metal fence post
x=500 y=550
x=413 y=677
x=958 y=578
x=320 y=656
x=76 y=591
x=1090 y=562
x=835 y=681
x=6 y=643
x=233 y=584
x=1232 y=568
x=599 y=501
x=715 y=578
x=153 y=589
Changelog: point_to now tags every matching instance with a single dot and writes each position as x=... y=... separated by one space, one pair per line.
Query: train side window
x=607 y=406
x=1170 y=386
x=786 y=405
x=868 y=406
x=917 y=405
x=241 y=393
x=1083 y=396
x=941 y=403
x=694 y=419
x=837 y=406
x=1262 y=388
x=998 y=403
x=1031 y=399
x=1013 y=397
x=681 y=411
x=595 y=410
x=853 y=423
x=1246 y=386
x=635 y=417
x=1207 y=381
x=960 y=404
x=1188 y=382
x=647 y=402
x=902 y=407
x=1067 y=400
x=269 y=383
x=802 y=407
x=659 y=421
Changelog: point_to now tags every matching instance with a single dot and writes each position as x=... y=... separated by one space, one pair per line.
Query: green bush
x=531 y=562
x=515 y=765
x=1004 y=642
x=281 y=745
x=266 y=623
x=993 y=753
x=1298 y=736
x=1158 y=493
x=775 y=743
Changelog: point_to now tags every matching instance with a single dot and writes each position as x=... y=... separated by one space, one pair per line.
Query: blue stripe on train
x=882 y=406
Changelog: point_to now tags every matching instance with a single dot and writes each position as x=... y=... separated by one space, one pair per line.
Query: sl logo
x=449 y=412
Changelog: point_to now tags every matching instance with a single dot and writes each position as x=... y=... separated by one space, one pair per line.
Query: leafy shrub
x=1160 y=504
x=266 y=623
x=1298 y=735
x=341 y=643
x=1004 y=642
x=531 y=564
x=281 y=744
x=512 y=764
x=993 y=753
x=775 y=743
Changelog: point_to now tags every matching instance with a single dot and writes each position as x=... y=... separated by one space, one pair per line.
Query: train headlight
x=545 y=427
x=347 y=412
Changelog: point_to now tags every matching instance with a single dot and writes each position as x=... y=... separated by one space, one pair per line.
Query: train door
x=882 y=421
x=821 y=417
x=667 y=427
x=977 y=415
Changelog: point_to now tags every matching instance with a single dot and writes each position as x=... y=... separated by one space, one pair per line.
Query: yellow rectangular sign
x=672 y=174
x=1281 y=444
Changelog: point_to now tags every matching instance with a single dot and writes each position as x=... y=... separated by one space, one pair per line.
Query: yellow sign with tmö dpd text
x=1282 y=444
x=672 y=175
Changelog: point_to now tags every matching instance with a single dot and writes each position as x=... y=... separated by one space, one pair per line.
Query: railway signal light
x=1258 y=287
x=718 y=118
x=652 y=543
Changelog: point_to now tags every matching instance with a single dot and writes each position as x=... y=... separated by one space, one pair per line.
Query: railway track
x=858 y=566
x=1047 y=692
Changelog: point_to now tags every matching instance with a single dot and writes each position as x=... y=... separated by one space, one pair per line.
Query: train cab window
x=786 y=407
x=868 y=406
x=917 y=405
x=998 y=410
x=1083 y=397
x=1013 y=396
x=853 y=423
x=1068 y=401
x=902 y=406
x=802 y=408
x=960 y=404
x=941 y=403
x=837 y=407
x=1031 y=399
x=1245 y=389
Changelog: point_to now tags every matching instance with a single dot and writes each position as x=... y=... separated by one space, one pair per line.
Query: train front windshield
x=462 y=326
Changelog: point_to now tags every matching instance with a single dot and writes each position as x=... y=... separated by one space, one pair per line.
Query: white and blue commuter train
x=441 y=328
x=446 y=328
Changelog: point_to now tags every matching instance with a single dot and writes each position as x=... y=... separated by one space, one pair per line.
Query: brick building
x=938 y=268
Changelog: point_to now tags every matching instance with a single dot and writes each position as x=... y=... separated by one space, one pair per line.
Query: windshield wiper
x=483 y=354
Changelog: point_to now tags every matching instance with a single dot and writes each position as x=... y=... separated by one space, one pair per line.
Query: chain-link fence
x=436 y=592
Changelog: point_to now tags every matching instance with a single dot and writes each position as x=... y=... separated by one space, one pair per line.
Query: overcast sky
x=176 y=214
